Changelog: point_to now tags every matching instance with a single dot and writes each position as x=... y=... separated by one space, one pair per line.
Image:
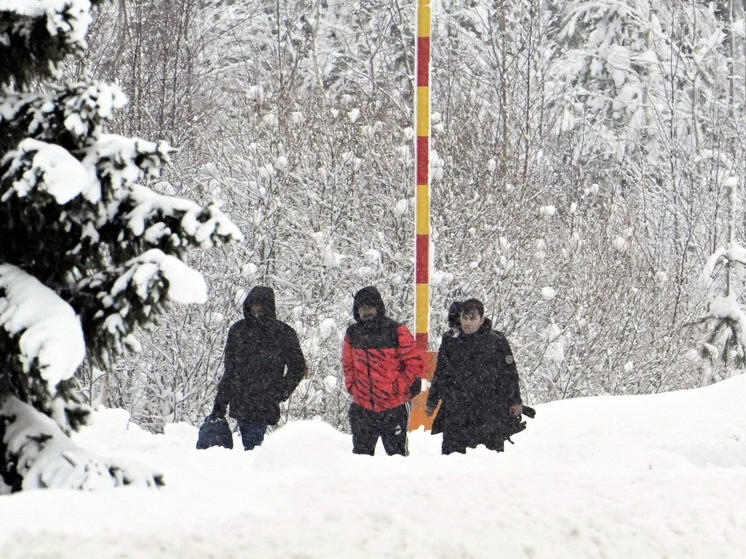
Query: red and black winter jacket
x=380 y=362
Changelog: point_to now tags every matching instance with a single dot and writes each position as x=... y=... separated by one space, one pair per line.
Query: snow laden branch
x=69 y=114
x=152 y=217
x=49 y=169
x=45 y=329
x=117 y=301
x=97 y=192
x=725 y=335
x=138 y=265
x=35 y=35
x=734 y=254
x=45 y=457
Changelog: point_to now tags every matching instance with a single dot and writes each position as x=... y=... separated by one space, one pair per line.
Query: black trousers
x=252 y=433
x=391 y=425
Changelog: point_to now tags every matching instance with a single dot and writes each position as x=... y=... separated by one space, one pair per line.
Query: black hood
x=370 y=297
x=262 y=295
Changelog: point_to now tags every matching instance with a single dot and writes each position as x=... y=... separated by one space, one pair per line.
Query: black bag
x=215 y=432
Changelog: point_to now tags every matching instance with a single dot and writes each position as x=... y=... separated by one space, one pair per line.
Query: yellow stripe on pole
x=423 y=209
x=423 y=315
x=423 y=19
x=423 y=111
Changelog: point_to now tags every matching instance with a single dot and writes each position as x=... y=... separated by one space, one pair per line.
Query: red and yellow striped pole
x=422 y=219
x=422 y=196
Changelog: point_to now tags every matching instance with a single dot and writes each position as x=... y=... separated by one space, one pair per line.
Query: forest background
x=587 y=167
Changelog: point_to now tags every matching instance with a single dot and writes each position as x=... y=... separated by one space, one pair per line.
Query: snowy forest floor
x=649 y=476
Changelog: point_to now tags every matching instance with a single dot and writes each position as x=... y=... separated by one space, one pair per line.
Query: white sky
x=638 y=477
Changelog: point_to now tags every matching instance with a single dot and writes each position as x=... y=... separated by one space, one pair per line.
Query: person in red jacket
x=382 y=368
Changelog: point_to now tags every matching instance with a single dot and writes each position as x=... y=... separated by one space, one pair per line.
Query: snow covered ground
x=636 y=476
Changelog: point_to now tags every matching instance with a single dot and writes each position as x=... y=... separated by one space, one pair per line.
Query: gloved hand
x=415 y=388
x=217 y=414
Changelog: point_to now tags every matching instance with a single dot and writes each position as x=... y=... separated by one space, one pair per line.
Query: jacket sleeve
x=226 y=384
x=509 y=371
x=295 y=363
x=347 y=363
x=410 y=356
x=436 y=392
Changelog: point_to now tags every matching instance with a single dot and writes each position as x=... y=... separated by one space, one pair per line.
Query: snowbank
x=636 y=476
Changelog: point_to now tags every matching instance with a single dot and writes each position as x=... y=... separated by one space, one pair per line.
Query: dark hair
x=454 y=314
x=472 y=305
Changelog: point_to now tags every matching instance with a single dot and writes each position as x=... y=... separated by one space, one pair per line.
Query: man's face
x=366 y=312
x=257 y=310
x=471 y=321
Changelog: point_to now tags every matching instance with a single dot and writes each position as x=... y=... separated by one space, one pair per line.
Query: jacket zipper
x=370 y=378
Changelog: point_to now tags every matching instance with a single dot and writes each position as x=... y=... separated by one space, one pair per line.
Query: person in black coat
x=476 y=384
x=263 y=365
x=453 y=332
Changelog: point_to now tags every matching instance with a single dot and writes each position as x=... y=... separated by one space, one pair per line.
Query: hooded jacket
x=263 y=363
x=380 y=359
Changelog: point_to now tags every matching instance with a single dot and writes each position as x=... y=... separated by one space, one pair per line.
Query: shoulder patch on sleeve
x=509 y=359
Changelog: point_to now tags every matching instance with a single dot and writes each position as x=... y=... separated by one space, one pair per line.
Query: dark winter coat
x=380 y=359
x=263 y=364
x=476 y=381
x=435 y=393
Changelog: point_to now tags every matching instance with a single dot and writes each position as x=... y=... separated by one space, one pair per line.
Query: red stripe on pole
x=423 y=61
x=420 y=341
x=423 y=259
x=422 y=159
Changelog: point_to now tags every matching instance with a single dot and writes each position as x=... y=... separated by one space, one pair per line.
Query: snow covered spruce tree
x=722 y=280
x=87 y=252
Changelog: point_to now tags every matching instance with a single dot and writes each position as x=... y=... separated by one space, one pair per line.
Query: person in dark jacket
x=477 y=385
x=454 y=331
x=263 y=365
x=381 y=364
